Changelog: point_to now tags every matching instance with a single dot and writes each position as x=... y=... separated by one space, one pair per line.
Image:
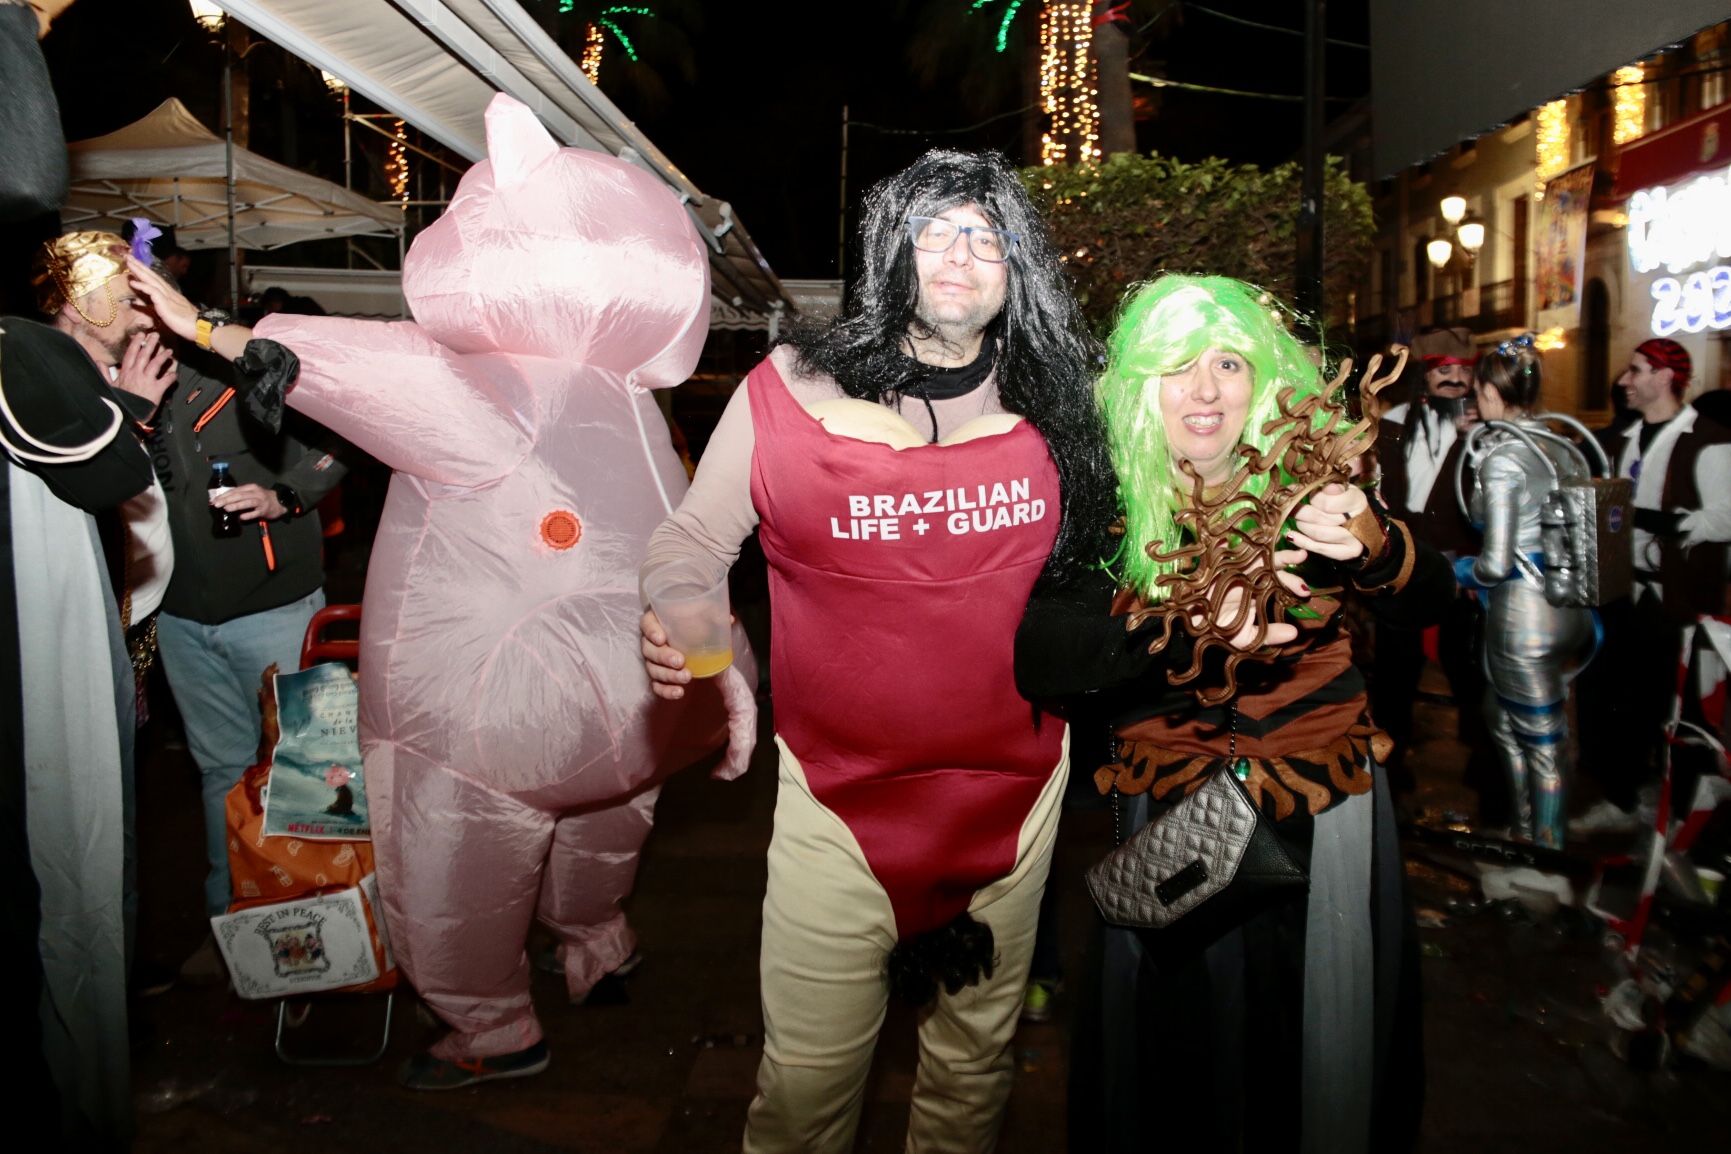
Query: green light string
x=1003 y=40
x=619 y=34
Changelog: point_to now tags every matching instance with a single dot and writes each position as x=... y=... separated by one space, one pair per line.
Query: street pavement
x=1519 y=1056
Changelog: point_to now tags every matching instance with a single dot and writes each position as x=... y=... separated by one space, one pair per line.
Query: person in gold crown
x=67 y=699
x=83 y=287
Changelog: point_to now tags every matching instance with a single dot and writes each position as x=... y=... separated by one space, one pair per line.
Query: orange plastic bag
x=267 y=870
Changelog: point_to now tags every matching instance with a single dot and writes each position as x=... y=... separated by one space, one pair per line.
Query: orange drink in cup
x=696 y=619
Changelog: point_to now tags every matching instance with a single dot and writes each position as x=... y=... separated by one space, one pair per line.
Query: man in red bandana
x=909 y=468
x=1419 y=445
x=1680 y=461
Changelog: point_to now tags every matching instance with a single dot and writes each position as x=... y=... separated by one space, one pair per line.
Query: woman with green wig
x=1209 y=642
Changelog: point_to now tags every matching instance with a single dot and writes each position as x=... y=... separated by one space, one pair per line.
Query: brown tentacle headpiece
x=1228 y=540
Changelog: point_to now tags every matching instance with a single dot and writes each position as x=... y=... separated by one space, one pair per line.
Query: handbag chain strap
x=1240 y=766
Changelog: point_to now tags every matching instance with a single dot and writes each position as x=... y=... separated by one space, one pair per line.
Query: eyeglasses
x=935 y=234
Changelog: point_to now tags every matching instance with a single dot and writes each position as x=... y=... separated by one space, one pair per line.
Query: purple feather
x=143 y=232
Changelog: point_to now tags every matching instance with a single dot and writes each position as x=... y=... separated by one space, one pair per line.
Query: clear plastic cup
x=696 y=619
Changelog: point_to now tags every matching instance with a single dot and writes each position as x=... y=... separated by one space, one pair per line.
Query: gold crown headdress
x=70 y=267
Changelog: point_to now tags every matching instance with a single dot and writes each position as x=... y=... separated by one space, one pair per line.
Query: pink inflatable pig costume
x=513 y=749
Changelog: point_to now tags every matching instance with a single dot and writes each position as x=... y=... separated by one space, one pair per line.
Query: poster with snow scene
x=316 y=788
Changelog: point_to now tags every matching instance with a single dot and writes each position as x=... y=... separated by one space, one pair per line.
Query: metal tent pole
x=228 y=158
x=1308 y=289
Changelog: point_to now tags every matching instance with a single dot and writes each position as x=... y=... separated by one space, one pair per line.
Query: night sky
x=746 y=97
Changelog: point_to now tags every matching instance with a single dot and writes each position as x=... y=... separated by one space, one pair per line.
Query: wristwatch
x=209 y=320
x=290 y=499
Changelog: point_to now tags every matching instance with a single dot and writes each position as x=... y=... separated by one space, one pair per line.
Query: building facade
x=1596 y=221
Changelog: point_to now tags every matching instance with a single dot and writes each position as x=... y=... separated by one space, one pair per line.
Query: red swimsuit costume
x=897 y=580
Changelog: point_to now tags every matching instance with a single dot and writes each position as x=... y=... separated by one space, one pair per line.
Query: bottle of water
x=1554 y=536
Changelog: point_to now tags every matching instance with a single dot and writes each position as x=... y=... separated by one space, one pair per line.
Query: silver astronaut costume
x=1533 y=649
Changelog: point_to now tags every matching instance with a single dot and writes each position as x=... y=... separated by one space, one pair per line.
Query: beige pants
x=827 y=929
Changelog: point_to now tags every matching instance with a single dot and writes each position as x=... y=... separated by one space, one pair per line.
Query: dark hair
x=1513 y=371
x=303 y=305
x=1045 y=360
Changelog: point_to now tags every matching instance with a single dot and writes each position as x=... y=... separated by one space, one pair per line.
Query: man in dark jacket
x=1419 y=446
x=234 y=604
x=237 y=604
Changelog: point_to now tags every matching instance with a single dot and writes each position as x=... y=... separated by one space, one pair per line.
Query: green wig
x=1163 y=327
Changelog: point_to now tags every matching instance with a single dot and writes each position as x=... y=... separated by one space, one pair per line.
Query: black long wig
x=1046 y=359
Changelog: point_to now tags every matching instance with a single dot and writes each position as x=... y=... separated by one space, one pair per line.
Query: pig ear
x=517 y=144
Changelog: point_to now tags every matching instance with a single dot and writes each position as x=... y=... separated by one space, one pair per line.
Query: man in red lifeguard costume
x=910 y=466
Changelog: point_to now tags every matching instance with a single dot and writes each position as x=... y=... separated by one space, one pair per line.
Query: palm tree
x=1084 y=95
x=621 y=36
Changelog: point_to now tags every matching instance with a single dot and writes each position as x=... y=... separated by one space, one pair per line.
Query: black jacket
x=217 y=579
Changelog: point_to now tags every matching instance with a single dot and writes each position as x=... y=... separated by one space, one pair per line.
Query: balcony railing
x=1490 y=307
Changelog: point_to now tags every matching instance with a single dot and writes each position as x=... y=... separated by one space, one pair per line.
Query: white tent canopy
x=172 y=169
x=436 y=64
x=375 y=294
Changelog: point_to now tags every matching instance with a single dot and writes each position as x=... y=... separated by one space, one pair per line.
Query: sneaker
x=1607 y=817
x=1037 y=1001
x=205 y=967
x=425 y=1072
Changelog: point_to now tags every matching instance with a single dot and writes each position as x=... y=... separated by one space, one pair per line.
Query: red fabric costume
x=897 y=581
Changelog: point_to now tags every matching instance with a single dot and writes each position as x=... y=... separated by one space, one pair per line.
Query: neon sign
x=1702 y=300
x=1678 y=228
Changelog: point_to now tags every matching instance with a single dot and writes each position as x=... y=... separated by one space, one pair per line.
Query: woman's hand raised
x=1279 y=632
x=1321 y=524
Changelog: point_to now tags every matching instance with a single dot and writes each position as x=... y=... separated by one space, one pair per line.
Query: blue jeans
x=214 y=671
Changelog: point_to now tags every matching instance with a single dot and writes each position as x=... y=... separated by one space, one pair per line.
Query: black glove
x=270 y=369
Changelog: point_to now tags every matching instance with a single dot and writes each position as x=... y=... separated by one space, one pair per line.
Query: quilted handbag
x=1210 y=863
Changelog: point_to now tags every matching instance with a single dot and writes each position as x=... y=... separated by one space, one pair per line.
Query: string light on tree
x=1068 y=87
x=1551 y=143
x=595 y=29
x=592 y=45
x=1629 y=103
x=397 y=163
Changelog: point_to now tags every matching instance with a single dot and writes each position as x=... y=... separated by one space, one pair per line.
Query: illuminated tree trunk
x=1067 y=84
x=591 y=64
x=1112 y=62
